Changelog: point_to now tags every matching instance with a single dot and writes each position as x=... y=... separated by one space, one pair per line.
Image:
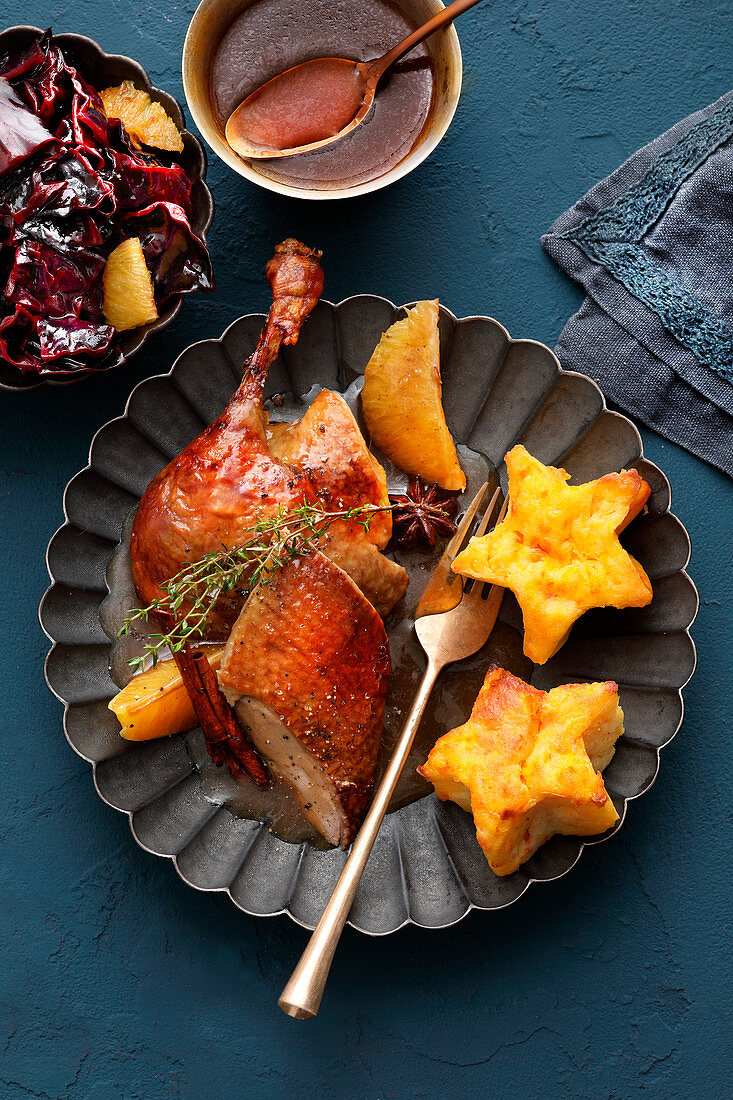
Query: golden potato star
x=557 y=549
x=527 y=764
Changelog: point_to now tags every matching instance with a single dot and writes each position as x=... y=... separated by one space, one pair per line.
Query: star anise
x=424 y=514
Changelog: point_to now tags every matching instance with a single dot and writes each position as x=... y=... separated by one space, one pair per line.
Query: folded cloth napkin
x=653 y=247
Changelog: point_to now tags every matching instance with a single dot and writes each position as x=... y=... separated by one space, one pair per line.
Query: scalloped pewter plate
x=426 y=866
x=105 y=70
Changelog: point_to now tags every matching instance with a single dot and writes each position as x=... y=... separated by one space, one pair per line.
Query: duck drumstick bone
x=296 y=279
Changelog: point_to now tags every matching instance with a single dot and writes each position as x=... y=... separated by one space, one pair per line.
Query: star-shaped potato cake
x=558 y=549
x=527 y=764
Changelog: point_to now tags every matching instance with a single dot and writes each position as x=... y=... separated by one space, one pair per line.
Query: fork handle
x=301 y=997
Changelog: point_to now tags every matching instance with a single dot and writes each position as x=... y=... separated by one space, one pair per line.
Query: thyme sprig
x=270 y=544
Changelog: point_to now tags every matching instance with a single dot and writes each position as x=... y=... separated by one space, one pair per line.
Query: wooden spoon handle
x=447 y=15
x=301 y=997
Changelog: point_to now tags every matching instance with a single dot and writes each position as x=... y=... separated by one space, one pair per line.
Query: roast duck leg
x=240 y=470
x=226 y=478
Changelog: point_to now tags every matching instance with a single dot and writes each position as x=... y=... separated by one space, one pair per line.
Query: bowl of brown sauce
x=234 y=46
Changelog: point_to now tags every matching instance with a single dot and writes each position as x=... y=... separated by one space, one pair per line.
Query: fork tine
x=503 y=511
x=494 y=593
x=445 y=588
x=483 y=525
x=481 y=529
x=464 y=526
x=475 y=588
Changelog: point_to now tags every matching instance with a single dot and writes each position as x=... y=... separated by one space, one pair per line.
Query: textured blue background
x=118 y=980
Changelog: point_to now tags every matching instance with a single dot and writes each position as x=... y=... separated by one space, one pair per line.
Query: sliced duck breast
x=306 y=669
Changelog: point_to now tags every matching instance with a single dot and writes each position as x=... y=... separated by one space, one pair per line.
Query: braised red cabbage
x=72 y=187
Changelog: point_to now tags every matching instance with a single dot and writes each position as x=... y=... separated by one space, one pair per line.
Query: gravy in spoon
x=306 y=104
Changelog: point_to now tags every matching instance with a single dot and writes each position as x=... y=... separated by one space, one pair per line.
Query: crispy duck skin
x=209 y=495
x=306 y=668
x=327 y=446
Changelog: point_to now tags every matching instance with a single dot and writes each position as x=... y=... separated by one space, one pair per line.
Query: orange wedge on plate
x=155 y=703
x=402 y=400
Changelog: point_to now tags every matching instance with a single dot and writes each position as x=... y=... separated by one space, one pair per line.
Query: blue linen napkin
x=653 y=247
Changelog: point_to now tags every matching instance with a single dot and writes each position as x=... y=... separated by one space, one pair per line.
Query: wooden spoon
x=319 y=102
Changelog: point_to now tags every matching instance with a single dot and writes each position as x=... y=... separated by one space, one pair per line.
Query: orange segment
x=142 y=118
x=128 y=289
x=155 y=703
x=402 y=400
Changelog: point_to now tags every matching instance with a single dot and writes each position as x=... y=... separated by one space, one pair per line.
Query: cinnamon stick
x=225 y=739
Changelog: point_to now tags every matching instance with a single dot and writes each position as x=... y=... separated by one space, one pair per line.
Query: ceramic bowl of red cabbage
x=73 y=185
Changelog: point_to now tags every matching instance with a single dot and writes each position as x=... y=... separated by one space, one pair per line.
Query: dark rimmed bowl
x=104 y=70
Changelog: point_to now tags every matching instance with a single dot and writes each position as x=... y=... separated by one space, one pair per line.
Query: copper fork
x=451 y=622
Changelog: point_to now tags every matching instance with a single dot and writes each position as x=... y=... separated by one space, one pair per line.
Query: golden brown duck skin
x=212 y=492
x=306 y=668
x=326 y=444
